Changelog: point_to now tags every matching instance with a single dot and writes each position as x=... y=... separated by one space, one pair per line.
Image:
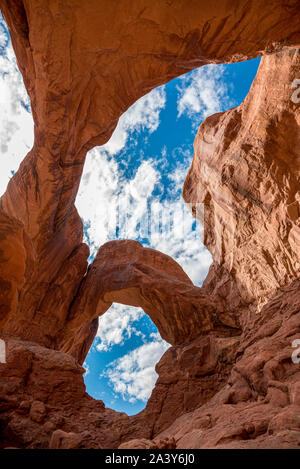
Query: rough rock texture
x=125 y=272
x=42 y=392
x=246 y=172
x=143 y=443
x=260 y=405
x=81 y=75
x=228 y=380
x=211 y=393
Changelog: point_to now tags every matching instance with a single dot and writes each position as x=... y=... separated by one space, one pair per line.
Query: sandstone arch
x=126 y=272
x=83 y=64
x=81 y=75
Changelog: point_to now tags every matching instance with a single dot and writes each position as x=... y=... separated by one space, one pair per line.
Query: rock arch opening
x=209 y=94
x=81 y=76
x=164 y=163
x=121 y=362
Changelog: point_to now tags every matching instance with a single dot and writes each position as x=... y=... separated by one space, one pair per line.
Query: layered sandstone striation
x=228 y=380
x=81 y=75
x=259 y=406
x=246 y=171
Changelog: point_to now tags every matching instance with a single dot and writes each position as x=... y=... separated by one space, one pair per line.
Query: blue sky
x=126 y=184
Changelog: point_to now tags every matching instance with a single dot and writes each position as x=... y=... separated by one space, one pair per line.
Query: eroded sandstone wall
x=213 y=390
x=81 y=75
x=245 y=171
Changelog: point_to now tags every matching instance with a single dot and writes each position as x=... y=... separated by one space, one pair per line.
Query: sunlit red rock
x=246 y=172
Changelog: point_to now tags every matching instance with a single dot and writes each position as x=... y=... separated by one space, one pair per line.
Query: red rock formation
x=81 y=75
x=246 y=171
x=42 y=391
x=125 y=272
x=84 y=64
x=143 y=443
x=211 y=393
x=260 y=405
x=16 y=259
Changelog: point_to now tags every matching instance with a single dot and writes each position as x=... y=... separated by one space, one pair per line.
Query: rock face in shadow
x=228 y=380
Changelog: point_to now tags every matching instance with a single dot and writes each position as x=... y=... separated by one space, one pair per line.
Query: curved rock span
x=125 y=272
x=228 y=380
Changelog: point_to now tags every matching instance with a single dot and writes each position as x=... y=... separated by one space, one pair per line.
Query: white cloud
x=116 y=326
x=183 y=242
x=16 y=123
x=104 y=188
x=142 y=185
x=108 y=200
x=164 y=151
x=98 y=189
x=177 y=178
x=143 y=114
x=178 y=175
x=202 y=93
x=87 y=368
x=133 y=375
x=4 y=39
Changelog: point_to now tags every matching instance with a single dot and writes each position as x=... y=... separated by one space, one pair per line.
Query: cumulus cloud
x=105 y=192
x=4 y=38
x=142 y=115
x=114 y=207
x=111 y=204
x=16 y=124
x=183 y=240
x=203 y=92
x=87 y=368
x=133 y=375
x=116 y=326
